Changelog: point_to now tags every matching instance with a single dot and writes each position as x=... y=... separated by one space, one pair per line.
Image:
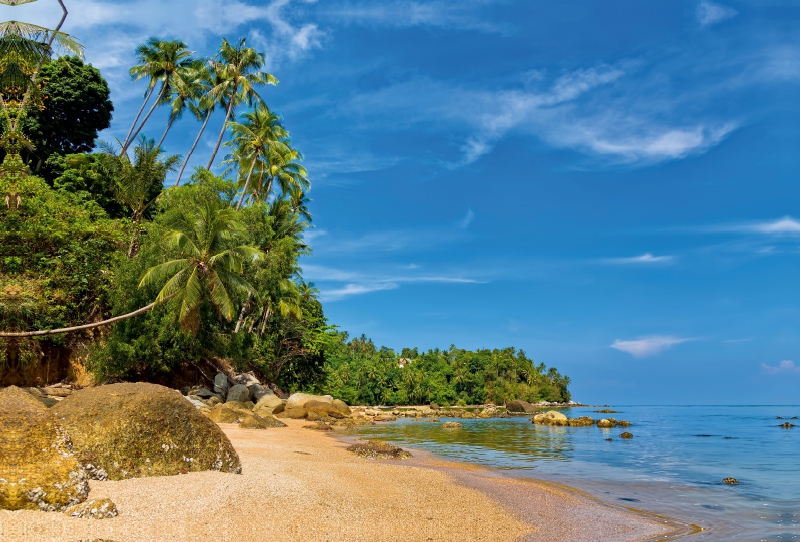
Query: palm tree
x=185 y=91
x=206 y=77
x=260 y=134
x=283 y=168
x=164 y=61
x=209 y=265
x=239 y=67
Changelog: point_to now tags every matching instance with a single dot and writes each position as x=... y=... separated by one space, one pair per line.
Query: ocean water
x=673 y=466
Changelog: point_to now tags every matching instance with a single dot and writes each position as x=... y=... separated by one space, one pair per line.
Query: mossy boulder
x=378 y=449
x=37 y=468
x=452 y=425
x=252 y=421
x=299 y=400
x=240 y=405
x=625 y=435
x=551 y=417
x=296 y=413
x=224 y=413
x=520 y=407
x=332 y=410
x=93 y=509
x=606 y=423
x=137 y=430
x=583 y=421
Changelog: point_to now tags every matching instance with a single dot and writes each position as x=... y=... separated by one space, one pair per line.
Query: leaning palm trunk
x=264 y=322
x=245 y=306
x=194 y=146
x=139 y=114
x=222 y=132
x=163 y=137
x=247 y=182
x=79 y=328
x=153 y=108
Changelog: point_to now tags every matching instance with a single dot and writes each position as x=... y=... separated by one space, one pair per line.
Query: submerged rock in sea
x=136 y=430
x=786 y=425
x=730 y=481
x=606 y=423
x=625 y=435
x=378 y=449
x=452 y=425
x=550 y=417
x=37 y=468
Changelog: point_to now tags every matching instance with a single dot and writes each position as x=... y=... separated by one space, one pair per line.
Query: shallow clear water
x=673 y=466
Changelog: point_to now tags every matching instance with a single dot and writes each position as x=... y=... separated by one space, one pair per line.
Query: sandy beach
x=299 y=484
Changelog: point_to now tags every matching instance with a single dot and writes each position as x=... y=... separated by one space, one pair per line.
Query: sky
x=609 y=186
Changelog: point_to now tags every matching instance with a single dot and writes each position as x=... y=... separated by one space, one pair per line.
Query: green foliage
x=359 y=373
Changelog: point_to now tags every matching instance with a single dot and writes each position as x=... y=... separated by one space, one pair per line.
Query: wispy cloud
x=648 y=346
x=784 y=367
x=710 y=13
x=350 y=290
x=786 y=226
x=646 y=258
x=467 y=220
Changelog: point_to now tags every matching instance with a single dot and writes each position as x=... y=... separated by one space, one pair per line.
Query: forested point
x=200 y=275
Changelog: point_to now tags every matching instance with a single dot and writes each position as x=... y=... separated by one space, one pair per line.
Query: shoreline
x=304 y=485
x=555 y=512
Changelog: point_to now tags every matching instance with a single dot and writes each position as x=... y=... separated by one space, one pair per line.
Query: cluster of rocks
x=556 y=418
x=48 y=455
x=50 y=395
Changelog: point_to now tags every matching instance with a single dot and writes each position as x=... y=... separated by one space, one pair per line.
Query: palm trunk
x=163 y=137
x=147 y=99
x=194 y=146
x=264 y=322
x=247 y=182
x=79 y=328
x=153 y=108
x=222 y=132
x=240 y=321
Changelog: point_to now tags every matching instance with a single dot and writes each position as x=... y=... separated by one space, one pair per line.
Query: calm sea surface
x=673 y=466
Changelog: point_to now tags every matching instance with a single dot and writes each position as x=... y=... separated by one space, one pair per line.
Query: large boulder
x=520 y=407
x=37 y=468
x=267 y=405
x=257 y=391
x=299 y=400
x=239 y=393
x=221 y=384
x=136 y=430
x=253 y=421
x=248 y=379
x=296 y=413
x=551 y=417
x=320 y=409
x=225 y=413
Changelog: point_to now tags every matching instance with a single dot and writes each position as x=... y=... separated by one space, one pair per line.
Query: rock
x=224 y=413
x=434 y=406
x=279 y=408
x=136 y=430
x=53 y=391
x=468 y=415
x=221 y=384
x=258 y=422
x=356 y=421
x=267 y=404
x=452 y=425
x=296 y=413
x=489 y=412
x=551 y=417
x=300 y=399
x=246 y=379
x=257 y=392
x=609 y=439
x=605 y=423
x=213 y=401
x=195 y=401
x=320 y=408
x=93 y=509
x=607 y=411
x=625 y=435
x=37 y=468
x=47 y=401
x=377 y=449
x=239 y=393
x=583 y=421
x=385 y=418
x=520 y=407
x=624 y=423
x=730 y=481
x=241 y=405
x=342 y=407
x=786 y=425
x=203 y=393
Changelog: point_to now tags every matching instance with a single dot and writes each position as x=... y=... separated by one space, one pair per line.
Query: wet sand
x=299 y=484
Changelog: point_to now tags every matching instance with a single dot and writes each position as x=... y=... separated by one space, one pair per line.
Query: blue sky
x=610 y=186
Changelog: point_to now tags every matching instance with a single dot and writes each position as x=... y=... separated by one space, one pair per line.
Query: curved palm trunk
x=139 y=114
x=194 y=146
x=137 y=312
x=222 y=132
x=245 y=306
x=247 y=182
x=163 y=137
x=153 y=108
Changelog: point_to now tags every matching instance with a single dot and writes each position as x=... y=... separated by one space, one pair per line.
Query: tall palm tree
x=209 y=265
x=168 y=62
x=206 y=77
x=185 y=91
x=240 y=69
x=260 y=133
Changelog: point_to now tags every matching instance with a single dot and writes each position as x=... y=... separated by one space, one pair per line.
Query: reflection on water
x=674 y=465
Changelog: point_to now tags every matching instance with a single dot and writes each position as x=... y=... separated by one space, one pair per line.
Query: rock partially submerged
x=136 y=430
x=378 y=449
x=37 y=468
x=520 y=407
x=452 y=425
x=551 y=417
x=730 y=481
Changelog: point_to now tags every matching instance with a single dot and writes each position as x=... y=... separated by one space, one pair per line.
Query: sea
x=673 y=466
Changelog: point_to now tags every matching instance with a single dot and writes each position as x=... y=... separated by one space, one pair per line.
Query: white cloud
x=646 y=258
x=350 y=290
x=784 y=367
x=709 y=13
x=467 y=220
x=786 y=226
x=647 y=346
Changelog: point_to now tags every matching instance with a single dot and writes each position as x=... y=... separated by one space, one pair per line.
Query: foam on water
x=673 y=466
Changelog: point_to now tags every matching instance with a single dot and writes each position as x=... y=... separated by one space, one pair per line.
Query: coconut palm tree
x=239 y=67
x=283 y=168
x=209 y=265
x=162 y=61
x=206 y=77
x=185 y=91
